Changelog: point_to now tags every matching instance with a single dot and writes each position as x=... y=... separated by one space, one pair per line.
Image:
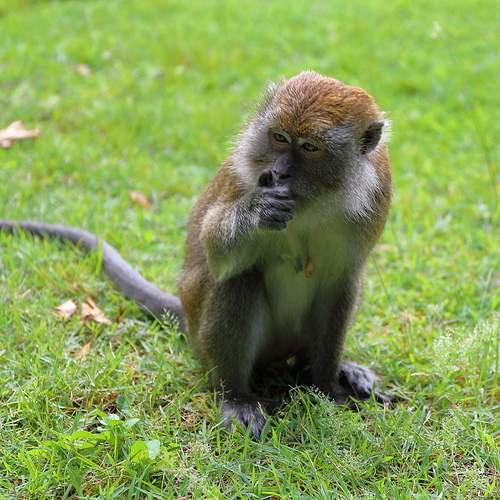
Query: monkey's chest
x=297 y=272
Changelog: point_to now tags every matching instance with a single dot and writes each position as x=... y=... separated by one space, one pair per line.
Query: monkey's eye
x=280 y=138
x=310 y=147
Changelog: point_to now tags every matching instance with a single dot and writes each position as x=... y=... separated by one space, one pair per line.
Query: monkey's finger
x=277 y=192
x=275 y=225
x=275 y=220
x=285 y=205
x=384 y=398
x=278 y=215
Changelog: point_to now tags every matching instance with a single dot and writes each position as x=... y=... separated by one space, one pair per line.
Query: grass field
x=145 y=96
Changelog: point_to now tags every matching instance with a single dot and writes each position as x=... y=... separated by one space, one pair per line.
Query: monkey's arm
x=149 y=298
x=234 y=226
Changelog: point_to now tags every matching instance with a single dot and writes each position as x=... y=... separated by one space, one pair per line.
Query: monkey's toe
x=248 y=412
x=359 y=383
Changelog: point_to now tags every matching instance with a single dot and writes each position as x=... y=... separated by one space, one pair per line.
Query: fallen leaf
x=384 y=247
x=83 y=69
x=90 y=312
x=66 y=310
x=140 y=199
x=14 y=132
x=85 y=350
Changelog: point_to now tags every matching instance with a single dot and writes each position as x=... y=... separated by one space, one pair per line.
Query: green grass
x=168 y=84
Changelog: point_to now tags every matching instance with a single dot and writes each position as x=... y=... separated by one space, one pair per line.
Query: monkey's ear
x=371 y=137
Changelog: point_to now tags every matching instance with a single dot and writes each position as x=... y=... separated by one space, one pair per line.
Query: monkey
x=277 y=246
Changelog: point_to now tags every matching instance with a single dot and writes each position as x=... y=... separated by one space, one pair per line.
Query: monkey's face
x=314 y=135
x=309 y=165
x=304 y=164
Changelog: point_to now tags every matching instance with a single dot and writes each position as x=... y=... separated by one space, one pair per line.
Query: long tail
x=150 y=299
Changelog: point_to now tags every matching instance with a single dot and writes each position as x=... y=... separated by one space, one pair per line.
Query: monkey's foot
x=248 y=412
x=359 y=383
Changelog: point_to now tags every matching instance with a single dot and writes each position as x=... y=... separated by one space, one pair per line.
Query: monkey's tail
x=150 y=299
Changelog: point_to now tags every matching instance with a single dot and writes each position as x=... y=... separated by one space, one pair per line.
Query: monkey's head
x=314 y=134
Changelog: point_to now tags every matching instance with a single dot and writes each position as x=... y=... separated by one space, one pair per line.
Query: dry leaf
x=83 y=69
x=14 y=132
x=66 y=310
x=140 y=199
x=90 y=312
x=85 y=350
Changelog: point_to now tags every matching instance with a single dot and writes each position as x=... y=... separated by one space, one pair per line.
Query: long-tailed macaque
x=277 y=245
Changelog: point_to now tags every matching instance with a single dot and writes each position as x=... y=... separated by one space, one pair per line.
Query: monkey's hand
x=229 y=226
x=274 y=206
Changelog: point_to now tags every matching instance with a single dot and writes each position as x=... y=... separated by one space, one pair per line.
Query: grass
x=93 y=411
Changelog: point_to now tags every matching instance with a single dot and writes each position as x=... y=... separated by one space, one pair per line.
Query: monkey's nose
x=266 y=179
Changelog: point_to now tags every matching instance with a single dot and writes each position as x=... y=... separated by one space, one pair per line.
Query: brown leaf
x=14 y=132
x=83 y=69
x=140 y=199
x=90 y=312
x=66 y=310
x=85 y=350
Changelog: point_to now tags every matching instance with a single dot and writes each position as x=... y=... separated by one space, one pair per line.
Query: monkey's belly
x=288 y=299
x=302 y=269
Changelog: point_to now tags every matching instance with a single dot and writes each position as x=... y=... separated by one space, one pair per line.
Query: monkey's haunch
x=150 y=299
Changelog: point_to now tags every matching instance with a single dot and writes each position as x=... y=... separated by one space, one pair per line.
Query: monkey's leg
x=231 y=334
x=339 y=380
